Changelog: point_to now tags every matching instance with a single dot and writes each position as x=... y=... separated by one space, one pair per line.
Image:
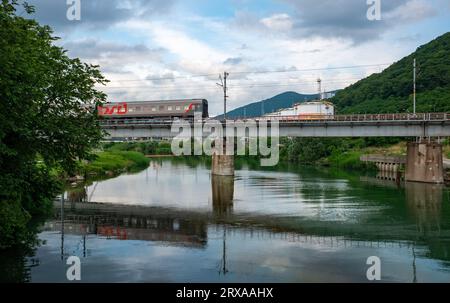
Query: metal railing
x=295 y=119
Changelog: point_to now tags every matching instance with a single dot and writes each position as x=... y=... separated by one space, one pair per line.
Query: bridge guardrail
x=331 y=118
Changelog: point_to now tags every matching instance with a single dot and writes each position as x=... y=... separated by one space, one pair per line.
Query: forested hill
x=391 y=90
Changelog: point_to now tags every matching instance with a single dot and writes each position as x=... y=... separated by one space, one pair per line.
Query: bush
x=116 y=161
x=13 y=223
x=146 y=148
x=347 y=160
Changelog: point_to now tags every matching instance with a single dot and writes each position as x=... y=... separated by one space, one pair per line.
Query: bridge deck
x=379 y=125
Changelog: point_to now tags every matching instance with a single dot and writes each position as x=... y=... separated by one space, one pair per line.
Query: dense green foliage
x=45 y=98
x=392 y=90
x=337 y=152
x=113 y=162
x=146 y=148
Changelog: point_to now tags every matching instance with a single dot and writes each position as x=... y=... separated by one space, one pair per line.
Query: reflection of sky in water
x=248 y=259
x=303 y=226
x=277 y=193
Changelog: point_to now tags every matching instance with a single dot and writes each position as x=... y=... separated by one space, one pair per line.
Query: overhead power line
x=212 y=88
x=252 y=72
x=309 y=69
x=200 y=86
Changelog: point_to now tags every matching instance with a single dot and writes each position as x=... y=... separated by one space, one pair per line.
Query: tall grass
x=349 y=160
x=116 y=162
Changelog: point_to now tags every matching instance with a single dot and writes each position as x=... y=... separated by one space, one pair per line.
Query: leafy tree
x=47 y=117
x=391 y=90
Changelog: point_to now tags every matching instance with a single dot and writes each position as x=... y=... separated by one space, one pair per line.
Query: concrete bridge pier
x=222 y=164
x=424 y=162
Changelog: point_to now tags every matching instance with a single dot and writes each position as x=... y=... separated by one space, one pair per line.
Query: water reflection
x=326 y=211
x=126 y=223
x=222 y=188
x=424 y=202
x=175 y=222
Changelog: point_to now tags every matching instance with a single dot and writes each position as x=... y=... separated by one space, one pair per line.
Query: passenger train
x=155 y=110
x=142 y=112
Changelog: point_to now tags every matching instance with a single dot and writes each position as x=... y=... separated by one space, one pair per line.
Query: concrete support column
x=424 y=162
x=222 y=165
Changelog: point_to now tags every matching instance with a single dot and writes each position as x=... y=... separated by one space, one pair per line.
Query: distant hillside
x=256 y=109
x=391 y=90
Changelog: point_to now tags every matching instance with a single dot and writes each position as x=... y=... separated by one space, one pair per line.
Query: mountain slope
x=391 y=90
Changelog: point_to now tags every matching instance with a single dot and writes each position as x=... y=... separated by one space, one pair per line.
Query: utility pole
x=414 y=89
x=223 y=84
x=319 y=82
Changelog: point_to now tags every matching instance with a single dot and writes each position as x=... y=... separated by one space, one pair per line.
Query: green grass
x=348 y=160
x=446 y=150
x=147 y=147
x=116 y=162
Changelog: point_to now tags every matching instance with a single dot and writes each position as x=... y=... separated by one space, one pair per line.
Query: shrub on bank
x=116 y=162
x=146 y=148
x=349 y=160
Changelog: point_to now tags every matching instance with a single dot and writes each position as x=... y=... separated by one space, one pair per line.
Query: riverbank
x=342 y=153
x=112 y=162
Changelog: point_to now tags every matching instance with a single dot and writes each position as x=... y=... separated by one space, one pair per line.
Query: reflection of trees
x=13 y=266
x=16 y=263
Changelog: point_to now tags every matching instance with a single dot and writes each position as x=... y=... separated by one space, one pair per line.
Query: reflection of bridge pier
x=222 y=194
x=425 y=204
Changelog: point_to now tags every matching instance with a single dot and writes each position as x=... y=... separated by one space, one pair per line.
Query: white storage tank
x=314 y=109
x=282 y=112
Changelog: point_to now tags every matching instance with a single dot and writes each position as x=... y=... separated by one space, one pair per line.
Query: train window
x=161 y=107
x=169 y=107
x=186 y=107
x=153 y=109
x=138 y=108
x=178 y=107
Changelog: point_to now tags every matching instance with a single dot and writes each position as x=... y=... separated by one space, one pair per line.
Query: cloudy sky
x=161 y=49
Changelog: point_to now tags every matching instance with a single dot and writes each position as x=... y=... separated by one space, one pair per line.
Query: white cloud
x=182 y=43
x=412 y=11
x=278 y=22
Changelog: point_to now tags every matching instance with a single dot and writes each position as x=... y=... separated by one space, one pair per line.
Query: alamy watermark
x=373 y=273
x=374 y=10
x=214 y=137
x=73 y=273
x=73 y=10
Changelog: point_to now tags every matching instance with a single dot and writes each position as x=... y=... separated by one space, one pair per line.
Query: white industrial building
x=307 y=110
x=315 y=108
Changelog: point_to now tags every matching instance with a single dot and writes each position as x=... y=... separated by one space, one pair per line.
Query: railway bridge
x=424 y=160
x=371 y=125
